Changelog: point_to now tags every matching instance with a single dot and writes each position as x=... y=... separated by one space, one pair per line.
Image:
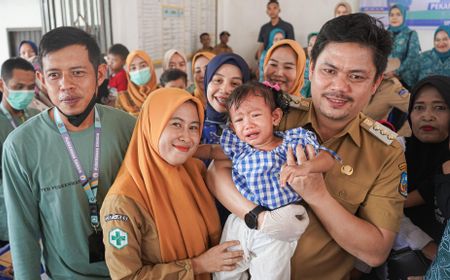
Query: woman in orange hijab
x=141 y=82
x=285 y=65
x=158 y=218
x=199 y=62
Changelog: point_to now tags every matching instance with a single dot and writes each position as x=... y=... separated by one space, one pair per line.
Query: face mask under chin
x=78 y=119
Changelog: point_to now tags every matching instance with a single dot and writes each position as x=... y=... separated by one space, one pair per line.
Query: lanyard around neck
x=89 y=186
x=9 y=116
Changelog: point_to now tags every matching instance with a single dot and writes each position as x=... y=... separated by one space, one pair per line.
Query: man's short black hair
x=224 y=33
x=14 y=63
x=273 y=2
x=120 y=50
x=203 y=34
x=172 y=75
x=356 y=28
x=65 y=36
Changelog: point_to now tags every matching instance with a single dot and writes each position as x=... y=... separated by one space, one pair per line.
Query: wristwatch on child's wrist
x=251 y=218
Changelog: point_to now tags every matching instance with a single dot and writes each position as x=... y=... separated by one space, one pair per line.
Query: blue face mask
x=20 y=99
x=141 y=77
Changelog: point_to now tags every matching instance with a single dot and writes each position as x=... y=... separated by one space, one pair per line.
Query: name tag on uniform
x=96 y=247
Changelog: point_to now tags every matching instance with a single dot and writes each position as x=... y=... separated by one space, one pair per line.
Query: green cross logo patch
x=118 y=238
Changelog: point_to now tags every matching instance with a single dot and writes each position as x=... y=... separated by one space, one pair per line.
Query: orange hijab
x=197 y=92
x=175 y=196
x=132 y=102
x=301 y=62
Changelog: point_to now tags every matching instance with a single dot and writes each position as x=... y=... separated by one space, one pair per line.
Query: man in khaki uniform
x=390 y=94
x=355 y=208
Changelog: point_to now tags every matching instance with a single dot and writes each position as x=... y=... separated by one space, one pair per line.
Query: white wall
x=426 y=38
x=243 y=20
x=125 y=23
x=17 y=14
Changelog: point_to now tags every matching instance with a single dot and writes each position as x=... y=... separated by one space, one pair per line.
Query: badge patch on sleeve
x=403 y=187
x=118 y=238
x=116 y=217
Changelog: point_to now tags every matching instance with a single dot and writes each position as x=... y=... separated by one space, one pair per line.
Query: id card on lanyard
x=90 y=187
x=10 y=118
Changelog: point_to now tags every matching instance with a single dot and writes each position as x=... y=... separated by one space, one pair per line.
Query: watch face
x=250 y=220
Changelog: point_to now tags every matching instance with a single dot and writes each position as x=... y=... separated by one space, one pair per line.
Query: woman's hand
x=446 y=167
x=218 y=258
x=430 y=250
x=414 y=199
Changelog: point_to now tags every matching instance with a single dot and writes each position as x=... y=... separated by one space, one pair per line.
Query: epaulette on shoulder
x=378 y=130
x=298 y=102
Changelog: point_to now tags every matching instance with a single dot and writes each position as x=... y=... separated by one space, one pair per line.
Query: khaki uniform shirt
x=372 y=190
x=389 y=94
x=222 y=48
x=208 y=49
x=132 y=244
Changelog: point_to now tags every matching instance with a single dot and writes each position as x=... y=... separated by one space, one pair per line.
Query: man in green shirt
x=58 y=166
x=17 y=84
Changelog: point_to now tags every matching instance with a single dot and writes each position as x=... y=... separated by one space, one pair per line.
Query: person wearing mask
x=141 y=82
x=58 y=166
x=17 y=84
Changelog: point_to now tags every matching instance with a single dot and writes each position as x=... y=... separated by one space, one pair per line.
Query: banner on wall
x=421 y=13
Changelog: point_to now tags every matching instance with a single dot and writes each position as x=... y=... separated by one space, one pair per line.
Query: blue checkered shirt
x=256 y=173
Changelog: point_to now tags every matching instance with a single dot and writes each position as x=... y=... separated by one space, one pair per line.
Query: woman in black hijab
x=426 y=150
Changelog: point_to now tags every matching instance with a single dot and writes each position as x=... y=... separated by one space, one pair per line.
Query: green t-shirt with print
x=44 y=198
